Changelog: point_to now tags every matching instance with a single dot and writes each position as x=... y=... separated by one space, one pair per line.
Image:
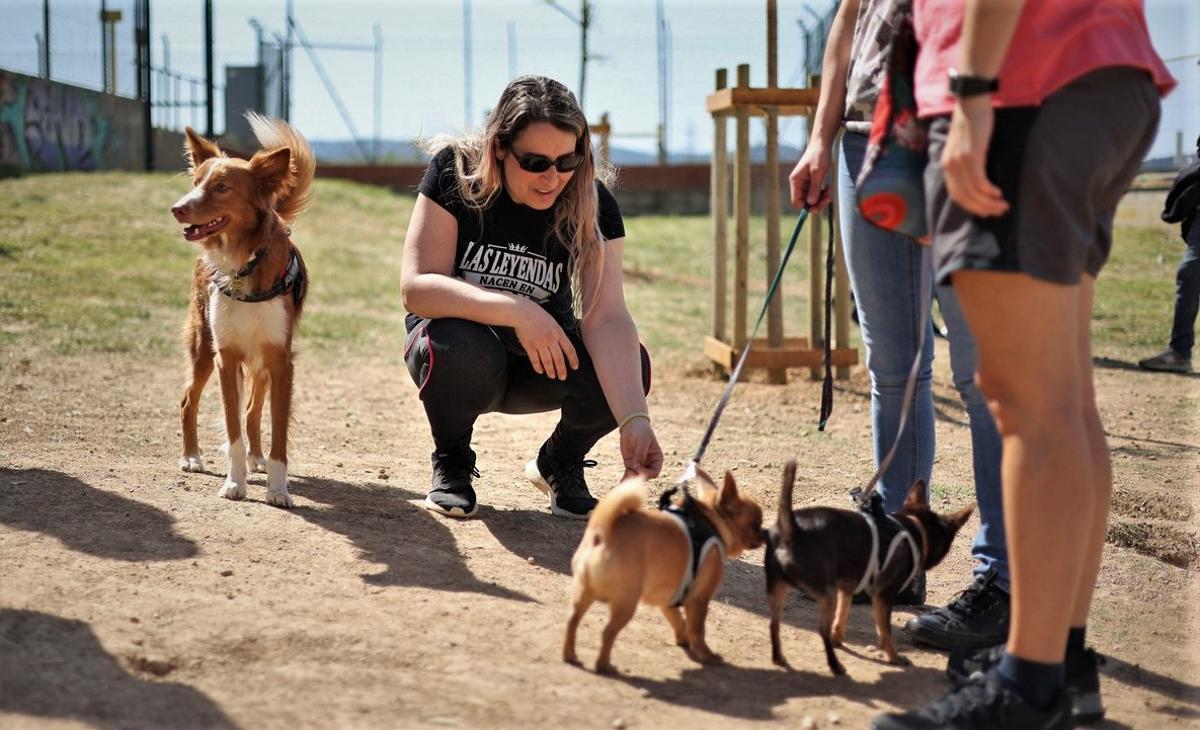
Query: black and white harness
x=885 y=528
x=292 y=279
x=702 y=538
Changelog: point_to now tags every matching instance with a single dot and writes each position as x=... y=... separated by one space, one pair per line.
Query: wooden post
x=816 y=264
x=719 y=205
x=841 y=284
x=741 y=196
x=775 y=309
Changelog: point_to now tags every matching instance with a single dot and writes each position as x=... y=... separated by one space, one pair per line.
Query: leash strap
x=862 y=495
x=689 y=472
x=827 y=384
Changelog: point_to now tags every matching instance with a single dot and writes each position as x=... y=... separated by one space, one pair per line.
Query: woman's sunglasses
x=541 y=163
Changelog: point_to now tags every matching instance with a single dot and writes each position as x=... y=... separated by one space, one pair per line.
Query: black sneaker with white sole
x=983 y=702
x=452 y=494
x=976 y=618
x=1081 y=677
x=564 y=484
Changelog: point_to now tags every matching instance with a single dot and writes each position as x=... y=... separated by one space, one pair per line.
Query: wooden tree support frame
x=775 y=353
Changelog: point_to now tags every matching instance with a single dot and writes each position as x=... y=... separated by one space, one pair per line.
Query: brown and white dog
x=630 y=555
x=247 y=292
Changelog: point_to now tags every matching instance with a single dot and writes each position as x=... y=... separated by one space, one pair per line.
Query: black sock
x=561 y=453
x=458 y=447
x=1076 y=638
x=1037 y=683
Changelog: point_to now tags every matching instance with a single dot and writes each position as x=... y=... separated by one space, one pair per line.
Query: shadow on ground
x=53 y=667
x=88 y=519
x=416 y=548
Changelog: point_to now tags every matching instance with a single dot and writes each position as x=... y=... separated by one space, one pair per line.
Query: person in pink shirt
x=1041 y=114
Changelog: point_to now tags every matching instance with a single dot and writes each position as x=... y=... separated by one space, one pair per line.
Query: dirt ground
x=131 y=596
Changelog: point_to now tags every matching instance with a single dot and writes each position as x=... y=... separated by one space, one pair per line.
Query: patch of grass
x=1135 y=294
x=94 y=263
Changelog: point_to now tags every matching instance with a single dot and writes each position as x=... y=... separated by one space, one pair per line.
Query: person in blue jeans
x=886 y=276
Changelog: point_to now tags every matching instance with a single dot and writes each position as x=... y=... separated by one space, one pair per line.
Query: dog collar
x=235 y=286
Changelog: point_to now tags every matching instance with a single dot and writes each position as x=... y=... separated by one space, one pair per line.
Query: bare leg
x=1101 y=463
x=1029 y=338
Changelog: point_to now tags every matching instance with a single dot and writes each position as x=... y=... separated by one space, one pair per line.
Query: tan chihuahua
x=670 y=558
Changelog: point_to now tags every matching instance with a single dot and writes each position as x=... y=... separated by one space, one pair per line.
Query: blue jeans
x=1187 y=295
x=885 y=274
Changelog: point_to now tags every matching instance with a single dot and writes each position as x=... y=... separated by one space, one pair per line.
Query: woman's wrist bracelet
x=631 y=416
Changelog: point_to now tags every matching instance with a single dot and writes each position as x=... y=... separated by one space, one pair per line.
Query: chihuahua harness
x=900 y=535
x=701 y=536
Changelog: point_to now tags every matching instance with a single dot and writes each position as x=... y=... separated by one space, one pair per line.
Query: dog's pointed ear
x=918 y=496
x=273 y=170
x=959 y=518
x=729 y=489
x=197 y=149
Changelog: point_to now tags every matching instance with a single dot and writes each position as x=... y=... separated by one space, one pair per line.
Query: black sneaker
x=452 y=494
x=974 y=619
x=982 y=703
x=564 y=484
x=1082 y=678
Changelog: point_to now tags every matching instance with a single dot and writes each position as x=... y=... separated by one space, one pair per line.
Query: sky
x=424 y=75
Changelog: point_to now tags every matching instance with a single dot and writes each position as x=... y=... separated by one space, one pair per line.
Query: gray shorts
x=1062 y=166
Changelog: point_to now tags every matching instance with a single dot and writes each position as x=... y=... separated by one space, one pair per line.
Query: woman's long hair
x=526 y=100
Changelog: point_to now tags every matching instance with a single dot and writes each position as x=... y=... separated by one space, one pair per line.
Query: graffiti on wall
x=50 y=126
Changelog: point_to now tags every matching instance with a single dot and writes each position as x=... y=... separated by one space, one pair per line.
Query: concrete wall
x=673 y=189
x=50 y=126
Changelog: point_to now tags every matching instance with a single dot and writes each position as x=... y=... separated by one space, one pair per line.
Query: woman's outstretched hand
x=640 y=450
x=549 y=349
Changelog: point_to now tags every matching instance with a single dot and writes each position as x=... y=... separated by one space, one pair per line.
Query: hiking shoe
x=974 y=619
x=452 y=494
x=1167 y=361
x=1082 y=678
x=564 y=484
x=984 y=702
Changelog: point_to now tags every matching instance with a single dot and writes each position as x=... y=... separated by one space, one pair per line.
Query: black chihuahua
x=831 y=554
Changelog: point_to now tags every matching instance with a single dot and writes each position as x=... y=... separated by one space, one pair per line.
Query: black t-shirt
x=512 y=247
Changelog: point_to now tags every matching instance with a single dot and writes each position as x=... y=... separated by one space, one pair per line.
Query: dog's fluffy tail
x=273 y=134
x=784 y=520
x=629 y=496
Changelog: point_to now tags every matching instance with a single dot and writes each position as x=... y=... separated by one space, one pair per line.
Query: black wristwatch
x=963 y=86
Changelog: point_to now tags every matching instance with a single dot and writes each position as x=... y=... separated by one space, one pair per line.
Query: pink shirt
x=1056 y=42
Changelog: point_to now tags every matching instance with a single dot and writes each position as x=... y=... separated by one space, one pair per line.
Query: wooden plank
x=764 y=356
x=741 y=197
x=816 y=265
x=719 y=210
x=788 y=101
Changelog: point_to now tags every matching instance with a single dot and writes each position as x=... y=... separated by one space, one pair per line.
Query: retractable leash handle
x=689 y=471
